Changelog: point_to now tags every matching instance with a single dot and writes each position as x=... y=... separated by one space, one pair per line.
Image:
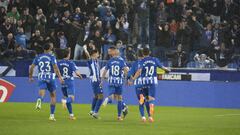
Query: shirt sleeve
x=107 y=65
x=140 y=65
x=131 y=71
x=73 y=66
x=158 y=63
x=53 y=60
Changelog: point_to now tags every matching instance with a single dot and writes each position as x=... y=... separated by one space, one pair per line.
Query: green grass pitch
x=22 y=119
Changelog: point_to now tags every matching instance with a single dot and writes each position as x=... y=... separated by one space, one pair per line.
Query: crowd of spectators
x=173 y=29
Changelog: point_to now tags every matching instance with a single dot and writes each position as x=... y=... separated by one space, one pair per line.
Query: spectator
x=1 y=41
x=3 y=14
x=10 y=42
x=40 y=21
x=98 y=41
x=163 y=41
x=20 y=53
x=179 y=58
x=203 y=61
x=28 y=21
x=130 y=53
x=183 y=36
x=222 y=56
x=7 y=27
x=173 y=31
x=161 y=15
x=78 y=50
x=209 y=34
x=54 y=20
x=108 y=20
x=36 y=41
x=62 y=42
x=14 y=13
x=4 y=4
x=51 y=38
x=103 y=8
x=88 y=48
x=109 y=39
x=122 y=27
x=122 y=49
x=21 y=38
x=78 y=15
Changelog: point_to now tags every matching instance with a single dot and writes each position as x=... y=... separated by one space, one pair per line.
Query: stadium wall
x=169 y=93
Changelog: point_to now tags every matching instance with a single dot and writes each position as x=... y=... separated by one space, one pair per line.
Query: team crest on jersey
x=6 y=89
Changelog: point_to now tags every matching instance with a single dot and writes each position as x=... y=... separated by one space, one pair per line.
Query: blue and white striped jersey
x=94 y=69
x=67 y=68
x=149 y=70
x=45 y=64
x=116 y=67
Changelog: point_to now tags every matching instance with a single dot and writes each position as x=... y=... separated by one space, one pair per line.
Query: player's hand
x=167 y=70
x=80 y=76
x=31 y=79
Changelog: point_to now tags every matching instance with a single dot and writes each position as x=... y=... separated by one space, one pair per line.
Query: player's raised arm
x=126 y=69
x=56 y=70
x=162 y=67
x=104 y=73
x=31 y=72
x=86 y=52
x=137 y=74
x=77 y=72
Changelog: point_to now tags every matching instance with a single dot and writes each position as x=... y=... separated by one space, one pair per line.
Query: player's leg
x=108 y=100
x=119 y=106
x=70 y=99
x=98 y=105
x=52 y=90
x=141 y=106
x=42 y=86
x=94 y=99
x=52 y=105
x=65 y=95
x=152 y=91
x=146 y=101
x=119 y=91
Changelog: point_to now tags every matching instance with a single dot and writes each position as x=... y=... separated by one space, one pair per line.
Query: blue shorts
x=141 y=90
x=68 y=88
x=117 y=90
x=97 y=89
x=49 y=85
x=151 y=88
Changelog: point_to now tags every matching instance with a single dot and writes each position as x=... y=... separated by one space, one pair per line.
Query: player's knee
x=52 y=94
x=115 y=97
x=100 y=96
x=119 y=97
x=73 y=98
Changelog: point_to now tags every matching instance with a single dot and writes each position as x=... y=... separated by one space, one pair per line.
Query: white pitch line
x=222 y=115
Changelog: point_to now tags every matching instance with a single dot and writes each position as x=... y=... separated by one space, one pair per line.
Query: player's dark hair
x=146 y=51
x=112 y=47
x=65 y=53
x=93 y=52
x=140 y=53
x=46 y=46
